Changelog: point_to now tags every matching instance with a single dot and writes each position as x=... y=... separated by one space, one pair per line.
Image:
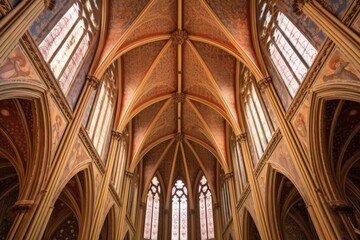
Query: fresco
x=262 y=181
x=301 y=122
x=47 y=20
x=338 y=68
x=337 y=7
x=77 y=154
x=97 y=181
x=356 y=25
x=88 y=108
x=58 y=124
x=17 y=66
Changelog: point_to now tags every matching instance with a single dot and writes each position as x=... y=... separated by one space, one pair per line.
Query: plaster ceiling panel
x=234 y=15
x=11 y=121
x=160 y=19
x=142 y=122
x=216 y=123
x=208 y=160
x=165 y=166
x=6 y=146
x=122 y=14
x=223 y=67
x=28 y=109
x=135 y=66
x=180 y=168
x=165 y=125
x=192 y=125
x=198 y=22
x=163 y=80
x=150 y=160
x=196 y=81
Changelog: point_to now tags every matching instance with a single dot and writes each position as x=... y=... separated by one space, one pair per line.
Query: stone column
x=217 y=221
x=104 y=191
x=140 y=222
x=166 y=224
x=229 y=177
x=122 y=217
x=264 y=228
x=38 y=216
x=339 y=33
x=18 y=20
x=193 y=225
x=327 y=227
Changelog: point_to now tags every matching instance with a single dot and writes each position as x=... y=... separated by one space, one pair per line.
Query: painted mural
x=337 y=7
x=47 y=20
x=17 y=67
x=356 y=25
x=339 y=68
x=301 y=123
x=58 y=124
x=77 y=154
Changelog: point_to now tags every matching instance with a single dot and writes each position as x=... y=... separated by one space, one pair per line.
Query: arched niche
x=108 y=230
x=250 y=230
x=287 y=210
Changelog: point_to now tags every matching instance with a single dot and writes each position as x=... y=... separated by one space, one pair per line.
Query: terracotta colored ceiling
x=179 y=61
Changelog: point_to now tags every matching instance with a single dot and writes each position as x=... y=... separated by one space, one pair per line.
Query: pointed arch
x=250 y=230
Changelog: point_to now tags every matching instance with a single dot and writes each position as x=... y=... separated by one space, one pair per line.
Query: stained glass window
x=152 y=210
x=260 y=128
x=290 y=51
x=205 y=210
x=66 y=45
x=242 y=177
x=179 y=229
x=225 y=203
x=99 y=125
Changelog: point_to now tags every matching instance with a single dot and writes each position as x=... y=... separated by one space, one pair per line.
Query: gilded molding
x=243 y=197
x=229 y=176
x=241 y=137
x=91 y=150
x=179 y=36
x=45 y=74
x=5 y=6
x=117 y=135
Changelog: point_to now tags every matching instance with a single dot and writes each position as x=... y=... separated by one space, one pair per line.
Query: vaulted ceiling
x=179 y=79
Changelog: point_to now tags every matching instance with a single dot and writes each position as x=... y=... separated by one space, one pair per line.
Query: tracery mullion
x=241 y=166
x=284 y=59
x=254 y=131
x=105 y=126
x=99 y=122
x=94 y=109
x=256 y=112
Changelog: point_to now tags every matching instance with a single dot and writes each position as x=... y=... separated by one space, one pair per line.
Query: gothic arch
x=108 y=230
x=250 y=231
x=286 y=209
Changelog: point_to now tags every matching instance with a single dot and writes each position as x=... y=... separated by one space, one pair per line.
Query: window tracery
x=205 y=210
x=290 y=51
x=152 y=210
x=66 y=45
x=179 y=229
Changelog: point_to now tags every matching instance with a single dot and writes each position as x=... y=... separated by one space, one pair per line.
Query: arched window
x=225 y=201
x=260 y=128
x=179 y=229
x=239 y=162
x=99 y=128
x=290 y=51
x=152 y=210
x=205 y=210
x=64 y=48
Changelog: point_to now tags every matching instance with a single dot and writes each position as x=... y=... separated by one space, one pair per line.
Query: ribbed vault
x=179 y=71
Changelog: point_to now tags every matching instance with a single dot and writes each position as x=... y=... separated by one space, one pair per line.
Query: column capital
x=229 y=175
x=179 y=36
x=129 y=175
x=93 y=81
x=142 y=205
x=49 y=4
x=264 y=83
x=241 y=137
x=298 y=6
x=117 y=135
x=22 y=205
x=341 y=207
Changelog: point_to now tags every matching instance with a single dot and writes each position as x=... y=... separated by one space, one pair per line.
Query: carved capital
x=179 y=137
x=49 y=4
x=298 y=6
x=93 y=81
x=341 y=207
x=179 y=36
x=117 y=135
x=241 y=137
x=22 y=205
x=264 y=83
x=142 y=205
x=129 y=175
x=179 y=97
x=229 y=175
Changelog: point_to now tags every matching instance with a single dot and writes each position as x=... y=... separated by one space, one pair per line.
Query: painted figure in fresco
x=339 y=65
x=13 y=67
x=300 y=125
x=56 y=130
